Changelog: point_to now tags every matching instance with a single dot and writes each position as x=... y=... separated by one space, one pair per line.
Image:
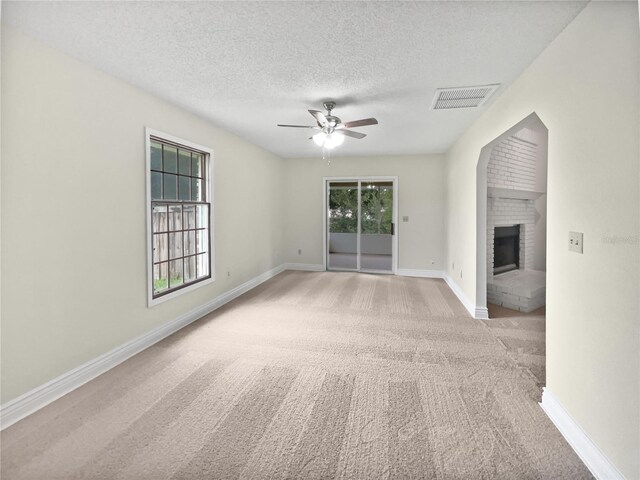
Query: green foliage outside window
x=343 y=210
x=376 y=209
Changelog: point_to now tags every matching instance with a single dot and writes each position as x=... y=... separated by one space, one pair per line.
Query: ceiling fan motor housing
x=332 y=121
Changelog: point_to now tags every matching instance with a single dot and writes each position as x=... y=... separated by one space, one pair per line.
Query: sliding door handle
x=393 y=228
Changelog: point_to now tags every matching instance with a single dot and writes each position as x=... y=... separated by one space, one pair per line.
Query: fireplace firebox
x=506 y=249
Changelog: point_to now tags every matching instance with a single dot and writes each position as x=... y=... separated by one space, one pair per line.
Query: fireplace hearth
x=506 y=249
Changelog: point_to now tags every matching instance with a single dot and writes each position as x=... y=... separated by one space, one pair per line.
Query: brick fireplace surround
x=511 y=181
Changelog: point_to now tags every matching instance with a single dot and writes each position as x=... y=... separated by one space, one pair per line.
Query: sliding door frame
x=359 y=180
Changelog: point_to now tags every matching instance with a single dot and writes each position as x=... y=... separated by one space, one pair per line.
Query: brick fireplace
x=511 y=224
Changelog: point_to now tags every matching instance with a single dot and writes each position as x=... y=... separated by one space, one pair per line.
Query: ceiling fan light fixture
x=328 y=140
x=319 y=138
x=333 y=140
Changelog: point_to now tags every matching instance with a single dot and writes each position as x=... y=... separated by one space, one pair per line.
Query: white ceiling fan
x=332 y=130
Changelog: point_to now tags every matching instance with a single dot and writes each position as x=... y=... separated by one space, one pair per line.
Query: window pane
x=160 y=247
x=175 y=245
x=184 y=162
x=160 y=279
x=202 y=220
x=170 y=189
x=180 y=228
x=190 y=242
x=159 y=214
x=370 y=209
x=196 y=163
x=170 y=156
x=189 y=216
x=386 y=208
x=203 y=265
x=343 y=208
x=175 y=217
x=156 y=156
x=189 y=269
x=196 y=190
x=175 y=273
x=156 y=186
x=202 y=240
x=184 y=183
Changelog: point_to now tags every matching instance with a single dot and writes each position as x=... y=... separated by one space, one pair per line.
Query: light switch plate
x=575 y=242
x=405 y=218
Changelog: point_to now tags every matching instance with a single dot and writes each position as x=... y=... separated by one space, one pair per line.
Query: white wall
x=421 y=198
x=584 y=87
x=73 y=211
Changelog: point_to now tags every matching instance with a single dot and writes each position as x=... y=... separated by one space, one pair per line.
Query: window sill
x=152 y=302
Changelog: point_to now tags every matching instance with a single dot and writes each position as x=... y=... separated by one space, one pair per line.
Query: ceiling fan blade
x=319 y=116
x=350 y=133
x=298 y=126
x=361 y=123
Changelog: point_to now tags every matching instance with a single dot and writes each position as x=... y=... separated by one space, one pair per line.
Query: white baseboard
x=589 y=453
x=468 y=304
x=481 y=313
x=39 y=397
x=308 y=267
x=410 y=272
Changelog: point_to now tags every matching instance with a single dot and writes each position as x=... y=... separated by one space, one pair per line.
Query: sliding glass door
x=343 y=226
x=376 y=226
x=360 y=225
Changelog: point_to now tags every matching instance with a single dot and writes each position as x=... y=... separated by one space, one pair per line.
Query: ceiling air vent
x=462 y=97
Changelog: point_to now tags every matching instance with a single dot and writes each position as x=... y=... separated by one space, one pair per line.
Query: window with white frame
x=180 y=214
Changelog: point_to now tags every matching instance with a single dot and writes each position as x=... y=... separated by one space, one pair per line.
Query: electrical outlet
x=453 y=265
x=299 y=251
x=460 y=273
x=575 y=242
x=228 y=273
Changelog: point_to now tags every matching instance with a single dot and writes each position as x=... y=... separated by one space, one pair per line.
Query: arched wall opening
x=529 y=130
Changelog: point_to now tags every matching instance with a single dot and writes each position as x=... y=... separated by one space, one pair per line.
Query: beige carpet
x=523 y=336
x=311 y=375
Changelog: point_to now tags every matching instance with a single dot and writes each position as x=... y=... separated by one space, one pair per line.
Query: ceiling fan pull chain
x=326 y=155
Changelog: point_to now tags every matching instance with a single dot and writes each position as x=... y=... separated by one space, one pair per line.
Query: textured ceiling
x=247 y=66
